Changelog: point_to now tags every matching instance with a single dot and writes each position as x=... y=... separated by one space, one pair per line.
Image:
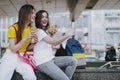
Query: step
x=82 y=74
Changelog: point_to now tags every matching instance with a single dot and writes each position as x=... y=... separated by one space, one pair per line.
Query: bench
x=81 y=74
x=40 y=76
x=97 y=74
x=90 y=73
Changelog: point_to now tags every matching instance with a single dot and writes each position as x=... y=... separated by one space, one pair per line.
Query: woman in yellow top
x=10 y=60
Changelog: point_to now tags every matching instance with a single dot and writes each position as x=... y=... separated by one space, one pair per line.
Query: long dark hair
x=24 y=11
x=39 y=17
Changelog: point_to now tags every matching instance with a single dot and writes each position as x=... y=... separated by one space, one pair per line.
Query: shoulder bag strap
x=17 y=42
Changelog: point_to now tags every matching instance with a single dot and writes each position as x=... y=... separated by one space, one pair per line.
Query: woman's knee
x=73 y=60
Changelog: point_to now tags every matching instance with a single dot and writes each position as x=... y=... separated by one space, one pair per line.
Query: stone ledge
x=97 y=74
x=40 y=76
x=82 y=74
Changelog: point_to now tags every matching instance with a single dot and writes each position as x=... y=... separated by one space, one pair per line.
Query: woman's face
x=44 y=19
x=31 y=16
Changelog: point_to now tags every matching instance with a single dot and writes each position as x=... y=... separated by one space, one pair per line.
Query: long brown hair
x=39 y=17
x=24 y=11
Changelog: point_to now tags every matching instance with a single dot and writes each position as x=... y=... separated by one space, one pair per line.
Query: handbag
x=25 y=57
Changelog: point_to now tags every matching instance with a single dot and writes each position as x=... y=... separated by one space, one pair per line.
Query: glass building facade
x=97 y=29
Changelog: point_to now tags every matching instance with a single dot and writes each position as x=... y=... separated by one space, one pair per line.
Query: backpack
x=61 y=51
x=74 y=48
x=110 y=55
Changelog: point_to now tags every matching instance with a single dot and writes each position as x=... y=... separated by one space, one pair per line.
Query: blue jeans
x=54 y=68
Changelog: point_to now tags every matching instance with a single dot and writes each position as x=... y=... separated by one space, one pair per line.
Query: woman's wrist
x=23 y=40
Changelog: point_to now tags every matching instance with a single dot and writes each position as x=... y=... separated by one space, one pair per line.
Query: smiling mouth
x=44 y=22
